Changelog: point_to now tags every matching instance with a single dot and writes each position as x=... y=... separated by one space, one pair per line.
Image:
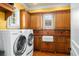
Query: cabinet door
x=62 y=20
x=67 y=19
x=24 y=19
x=68 y=48
x=48 y=46
x=39 y=21
x=60 y=47
x=60 y=44
x=36 y=21
x=59 y=23
x=27 y=23
x=37 y=42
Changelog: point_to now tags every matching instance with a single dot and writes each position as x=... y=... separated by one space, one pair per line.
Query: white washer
x=16 y=42
x=30 y=44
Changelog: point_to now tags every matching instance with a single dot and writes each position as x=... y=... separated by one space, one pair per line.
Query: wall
x=74 y=29
x=2 y=26
x=2 y=20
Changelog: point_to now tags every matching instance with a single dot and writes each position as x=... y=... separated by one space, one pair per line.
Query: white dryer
x=16 y=42
x=30 y=45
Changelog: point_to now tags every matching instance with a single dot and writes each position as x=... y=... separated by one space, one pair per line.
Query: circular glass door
x=20 y=45
x=30 y=39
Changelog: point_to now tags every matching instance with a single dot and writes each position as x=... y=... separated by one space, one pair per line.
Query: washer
x=30 y=44
x=16 y=42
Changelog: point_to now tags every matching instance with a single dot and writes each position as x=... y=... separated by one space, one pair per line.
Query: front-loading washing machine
x=30 y=44
x=15 y=42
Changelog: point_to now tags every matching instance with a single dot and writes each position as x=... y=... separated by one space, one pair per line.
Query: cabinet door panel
x=60 y=47
x=67 y=20
x=67 y=48
x=60 y=40
x=59 y=23
x=27 y=20
x=37 y=42
x=60 y=44
x=62 y=20
x=24 y=19
x=48 y=46
x=39 y=21
x=36 y=21
x=33 y=21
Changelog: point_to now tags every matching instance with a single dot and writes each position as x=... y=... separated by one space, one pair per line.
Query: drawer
x=60 y=39
x=45 y=33
x=60 y=33
x=48 y=32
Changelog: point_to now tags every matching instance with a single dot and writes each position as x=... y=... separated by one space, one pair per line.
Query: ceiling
x=33 y=6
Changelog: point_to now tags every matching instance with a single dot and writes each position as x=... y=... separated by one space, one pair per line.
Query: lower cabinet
x=60 y=45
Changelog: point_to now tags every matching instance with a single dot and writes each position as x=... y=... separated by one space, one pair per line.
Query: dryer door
x=20 y=45
x=30 y=39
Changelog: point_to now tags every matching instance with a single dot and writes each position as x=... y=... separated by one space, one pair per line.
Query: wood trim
x=7 y=14
x=7 y=6
x=46 y=10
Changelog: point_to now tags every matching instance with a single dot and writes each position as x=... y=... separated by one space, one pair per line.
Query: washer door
x=20 y=45
x=30 y=39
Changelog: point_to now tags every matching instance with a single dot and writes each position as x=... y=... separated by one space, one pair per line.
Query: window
x=13 y=21
x=48 y=21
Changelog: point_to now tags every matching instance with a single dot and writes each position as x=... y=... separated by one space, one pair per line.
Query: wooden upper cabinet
x=24 y=19
x=62 y=20
x=59 y=23
x=67 y=20
x=28 y=24
x=36 y=21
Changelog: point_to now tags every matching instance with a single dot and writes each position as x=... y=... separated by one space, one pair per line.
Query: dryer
x=15 y=42
x=30 y=45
